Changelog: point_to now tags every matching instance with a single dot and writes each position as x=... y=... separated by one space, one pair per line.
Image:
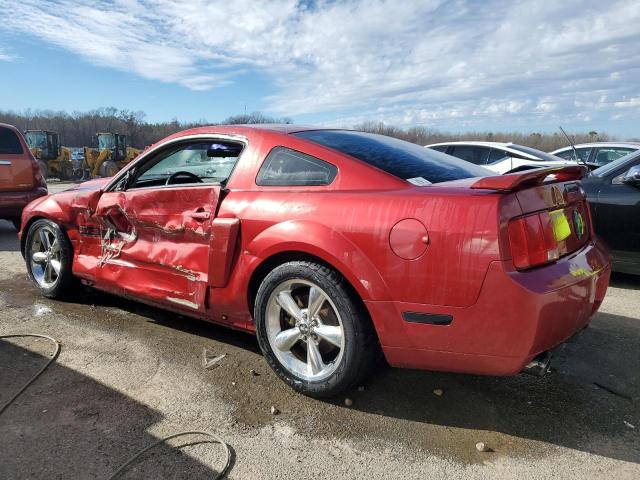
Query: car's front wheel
x=48 y=255
x=311 y=330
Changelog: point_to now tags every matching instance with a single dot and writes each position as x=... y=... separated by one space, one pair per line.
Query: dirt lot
x=129 y=374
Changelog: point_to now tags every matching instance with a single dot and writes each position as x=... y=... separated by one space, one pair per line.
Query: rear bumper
x=517 y=316
x=12 y=203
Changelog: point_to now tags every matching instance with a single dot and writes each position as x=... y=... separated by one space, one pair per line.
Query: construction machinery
x=112 y=154
x=54 y=159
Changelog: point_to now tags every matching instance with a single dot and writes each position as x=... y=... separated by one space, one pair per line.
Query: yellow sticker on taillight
x=560 y=225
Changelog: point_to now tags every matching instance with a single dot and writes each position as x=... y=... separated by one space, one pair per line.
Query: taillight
x=532 y=240
x=38 y=177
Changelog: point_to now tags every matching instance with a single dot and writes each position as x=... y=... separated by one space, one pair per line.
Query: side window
x=607 y=155
x=583 y=154
x=192 y=163
x=286 y=167
x=497 y=156
x=9 y=143
x=440 y=148
x=473 y=154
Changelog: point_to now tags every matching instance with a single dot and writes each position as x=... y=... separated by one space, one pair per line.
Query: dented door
x=156 y=243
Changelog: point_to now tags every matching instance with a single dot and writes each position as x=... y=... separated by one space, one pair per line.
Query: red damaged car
x=332 y=245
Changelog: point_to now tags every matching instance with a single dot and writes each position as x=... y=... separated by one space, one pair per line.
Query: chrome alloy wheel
x=45 y=257
x=304 y=329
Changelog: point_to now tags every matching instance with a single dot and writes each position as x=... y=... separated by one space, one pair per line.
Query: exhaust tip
x=540 y=365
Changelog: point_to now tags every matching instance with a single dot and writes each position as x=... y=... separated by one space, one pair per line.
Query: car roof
x=498 y=145
x=11 y=127
x=473 y=142
x=635 y=145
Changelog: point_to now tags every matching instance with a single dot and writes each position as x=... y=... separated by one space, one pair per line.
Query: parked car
x=598 y=153
x=500 y=157
x=614 y=196
x=21 y=179
x=332 y=244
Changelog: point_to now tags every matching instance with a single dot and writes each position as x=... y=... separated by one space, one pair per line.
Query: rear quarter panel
x=351 y=230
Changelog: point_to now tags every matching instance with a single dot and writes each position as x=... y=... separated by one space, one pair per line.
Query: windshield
x=36 y=139
x=411 y=162
x=613 y=166
x=106 y=142
x=546 y=157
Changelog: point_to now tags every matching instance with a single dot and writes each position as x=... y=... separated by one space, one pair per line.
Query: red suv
x=21 y=179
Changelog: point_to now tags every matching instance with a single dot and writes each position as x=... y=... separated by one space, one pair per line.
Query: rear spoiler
x=530 y=178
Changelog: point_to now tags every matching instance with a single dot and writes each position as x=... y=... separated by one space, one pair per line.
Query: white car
x=598 y=153
x=500 y=157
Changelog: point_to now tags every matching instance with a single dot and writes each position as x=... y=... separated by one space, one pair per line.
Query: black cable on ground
x=122 y=467
x=33 y=379
x=220 y=474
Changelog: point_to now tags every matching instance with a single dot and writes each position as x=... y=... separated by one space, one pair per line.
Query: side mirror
x=632 y=177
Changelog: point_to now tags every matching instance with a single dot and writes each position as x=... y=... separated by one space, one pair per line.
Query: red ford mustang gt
x=332 y=245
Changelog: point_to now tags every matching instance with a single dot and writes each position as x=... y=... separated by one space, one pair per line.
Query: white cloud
x=628 y=103
x=4 y=56
x=433 y=61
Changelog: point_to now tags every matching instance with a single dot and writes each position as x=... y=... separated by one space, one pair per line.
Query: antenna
x=575 y=153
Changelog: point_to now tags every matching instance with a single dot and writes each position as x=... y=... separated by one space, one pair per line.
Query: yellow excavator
x=112 y=154
x=54 y=160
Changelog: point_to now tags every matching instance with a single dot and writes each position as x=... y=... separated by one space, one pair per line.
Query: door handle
x=200 y=214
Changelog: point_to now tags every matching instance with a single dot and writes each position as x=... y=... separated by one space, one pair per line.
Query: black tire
x=360 y=341
x=108 y=168
x=67 y=171
x=17 y=221
x=65 y=283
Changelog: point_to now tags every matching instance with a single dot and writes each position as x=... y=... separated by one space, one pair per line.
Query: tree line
x=426 y=136
x=77 y=129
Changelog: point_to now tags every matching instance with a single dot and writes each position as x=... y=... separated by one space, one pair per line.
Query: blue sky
x=457 y=65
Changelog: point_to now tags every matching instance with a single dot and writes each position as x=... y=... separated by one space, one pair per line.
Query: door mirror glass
x=632 y=177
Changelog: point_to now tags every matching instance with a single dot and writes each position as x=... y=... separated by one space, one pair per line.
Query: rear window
x=471 y=153
x=405 y=160
x=544 y=156
x=9 y=142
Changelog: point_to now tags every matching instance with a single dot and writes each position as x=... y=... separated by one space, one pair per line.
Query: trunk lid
x=554 y=219
x=568 y=209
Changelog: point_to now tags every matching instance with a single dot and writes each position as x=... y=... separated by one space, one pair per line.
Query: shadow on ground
x=67 y=425
x=625 y=280
x=583 y=404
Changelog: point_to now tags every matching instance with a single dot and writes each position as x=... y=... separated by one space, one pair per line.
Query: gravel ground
x=129 y=374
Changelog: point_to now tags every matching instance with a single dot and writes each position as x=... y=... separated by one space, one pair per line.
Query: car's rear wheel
x=311 y=330
x=48 y=255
